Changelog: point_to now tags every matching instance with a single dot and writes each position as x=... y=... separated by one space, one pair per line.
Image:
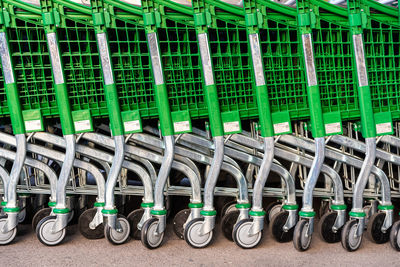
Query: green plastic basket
x=282 y=57
x=29 y=53
x=231 y=58
x=80 y=57
x=180 y=58
x=130 y=58
x=382 y=52
x=334 y=60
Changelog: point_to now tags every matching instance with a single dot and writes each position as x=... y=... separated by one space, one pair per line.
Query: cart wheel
x=272 y=209
x=118 y=237
x=325 y=228
x=134 y=218
x=192 y=234
x=83 y=224
x=324 y=208
x=6 y=238
x=241 y=234
x=39 y=216
x=394 y=236
x=350 y=241
x=276 y=227
x=228 y=207
x=150 y=239
x=374 y=231
x=21 y=216
x=44 y=232
x=228 y=223
x=179 y=220
x=301 y=240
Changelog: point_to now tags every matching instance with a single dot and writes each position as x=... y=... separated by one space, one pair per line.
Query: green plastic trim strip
x=23 y=194
x=164 y=111
x=158 y=212
x=257 y=213
x=14 y=105
x=67 y=124
x=264 y=110
x=61 y=211
x=243 y=205
x=99 y=204
x=339 y=207
x=306 y=214
x=290 y=207
x=385 y=207
x=368 y=127
x=15 y=209
x=113 y=211
x=216 y=125
x=317 y=121
x=208 y=212
x=3 y=203
x=52 y=204
x=357 y=214
x=195 y=205
x=147 y=205
x=114 y=110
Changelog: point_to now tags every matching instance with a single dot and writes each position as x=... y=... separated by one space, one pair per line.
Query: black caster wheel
x=394 y=236
x=83 y=224
x=325 y=228
x=350 y=241
x=228 y=223
x=276 y=227
x=39 y=216
x=228 y=207
x=6 y=238
x=118 y=237
x=151 y=239
x=272 y=209
x=193 y=236
x=241 y=234
x=134 y=218
x=301 y=240
x=179 y=220
x=374 y=231
x=44 y=232
x=324 y=208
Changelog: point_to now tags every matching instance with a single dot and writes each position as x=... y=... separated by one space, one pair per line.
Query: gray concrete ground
x=28 y=251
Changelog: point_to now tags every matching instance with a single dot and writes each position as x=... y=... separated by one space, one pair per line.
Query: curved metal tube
x=338 y=155
x=263 y=173
x=49 y=172
x=362 y=180
x=115 y=170
x=153 y=157
x=164 y=172
x=20 y=156
x=213 y=174
x=65 y=171
x=100 y=156
x=201 y=158
x=5 y=177
x=314 y=173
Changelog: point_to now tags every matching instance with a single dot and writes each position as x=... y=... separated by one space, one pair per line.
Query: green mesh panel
x=231 y=58
x=382 y=44
x=82 y=68
x=180 y=57
x=284 y=74
x=335 y=69
x=132 y=69
x=32 y=68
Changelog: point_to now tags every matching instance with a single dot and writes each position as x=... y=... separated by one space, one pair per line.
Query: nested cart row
x=102 y=101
